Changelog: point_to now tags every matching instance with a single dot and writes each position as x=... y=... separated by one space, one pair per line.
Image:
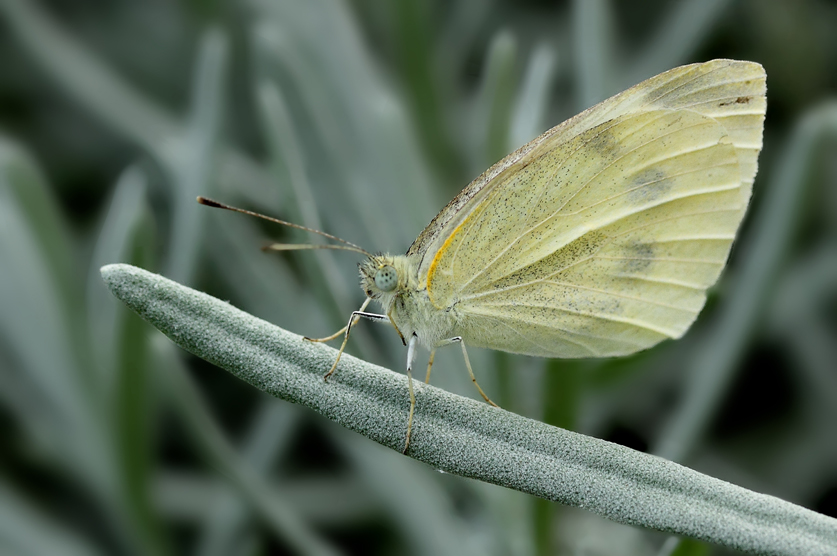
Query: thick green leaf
x=469 y=438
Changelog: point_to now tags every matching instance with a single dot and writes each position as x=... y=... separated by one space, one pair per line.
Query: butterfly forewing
x=602 y=239
x=730 y=91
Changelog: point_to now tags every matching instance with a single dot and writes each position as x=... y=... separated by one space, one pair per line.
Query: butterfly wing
x=601 y=236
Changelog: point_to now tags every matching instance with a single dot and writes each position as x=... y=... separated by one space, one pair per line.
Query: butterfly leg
x=356 y=315
x=471 y=371
x=430 y=365
x=411 y=356
x=342 y=330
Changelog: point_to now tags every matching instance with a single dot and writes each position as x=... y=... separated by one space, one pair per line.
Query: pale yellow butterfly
x=599 y=238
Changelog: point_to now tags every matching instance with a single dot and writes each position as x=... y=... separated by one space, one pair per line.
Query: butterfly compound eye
x=386 y=278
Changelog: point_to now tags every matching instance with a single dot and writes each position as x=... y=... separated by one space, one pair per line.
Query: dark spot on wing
x=604 y=143
x=739 y=100
x=638 y=256
x=648 y=185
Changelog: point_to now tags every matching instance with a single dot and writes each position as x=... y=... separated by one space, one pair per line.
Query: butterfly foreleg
x=356 y=315
x=411 y=356
x=342 y=330
x=430 y=365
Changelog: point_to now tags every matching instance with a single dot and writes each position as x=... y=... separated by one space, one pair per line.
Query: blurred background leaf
x=363 y=118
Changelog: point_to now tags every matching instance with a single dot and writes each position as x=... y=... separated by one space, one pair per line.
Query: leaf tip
x=113 y=274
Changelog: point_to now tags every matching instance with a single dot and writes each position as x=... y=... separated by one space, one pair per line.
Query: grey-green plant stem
x=470 y=438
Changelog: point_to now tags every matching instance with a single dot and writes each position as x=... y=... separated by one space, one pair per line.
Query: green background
x=363 y=118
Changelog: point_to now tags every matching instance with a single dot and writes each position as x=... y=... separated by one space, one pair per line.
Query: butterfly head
x=383 y=276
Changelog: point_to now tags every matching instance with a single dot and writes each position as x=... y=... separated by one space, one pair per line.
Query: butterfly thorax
x=392 y=281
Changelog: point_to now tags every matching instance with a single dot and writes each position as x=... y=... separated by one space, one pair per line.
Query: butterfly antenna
x=347 y=245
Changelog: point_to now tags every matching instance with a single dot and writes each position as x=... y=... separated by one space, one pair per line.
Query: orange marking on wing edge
x=438 y=256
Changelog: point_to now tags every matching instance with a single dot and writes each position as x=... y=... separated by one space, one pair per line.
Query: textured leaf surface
x=472 y=439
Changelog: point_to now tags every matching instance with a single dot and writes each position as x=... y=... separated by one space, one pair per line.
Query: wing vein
x=697 y=238
x=627 y=191
x=658 y=259
x=686 y=215
x=614 y=294
x=601 y=316
x=548 y=280
x=658 y=280
x=693 y=193
x=716 y=99
x=504 y=322
x=694 y=78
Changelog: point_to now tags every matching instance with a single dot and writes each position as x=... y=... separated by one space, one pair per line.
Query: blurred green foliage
x=364 y=118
